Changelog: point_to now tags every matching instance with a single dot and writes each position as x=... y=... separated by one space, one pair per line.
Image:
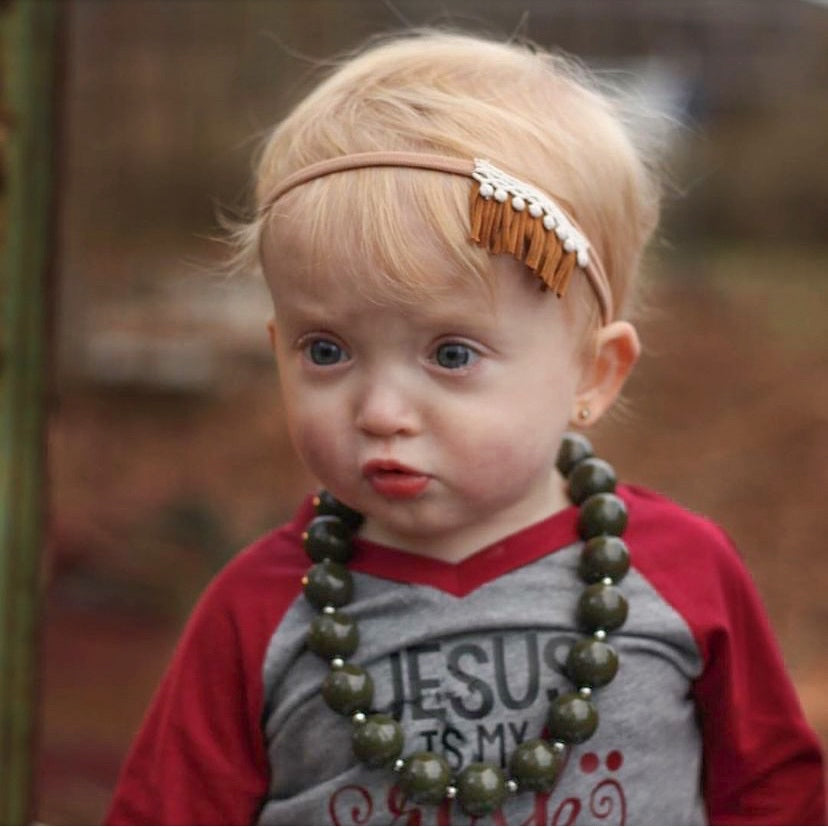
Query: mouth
x=395 y=481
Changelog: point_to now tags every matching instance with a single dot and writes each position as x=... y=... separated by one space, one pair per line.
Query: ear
x=611 y=358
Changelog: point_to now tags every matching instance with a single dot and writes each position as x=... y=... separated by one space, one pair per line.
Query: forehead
x=293 y=265
x=318 y=289
x=314 y=292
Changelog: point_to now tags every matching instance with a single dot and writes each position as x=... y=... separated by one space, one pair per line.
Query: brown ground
x=150 y=493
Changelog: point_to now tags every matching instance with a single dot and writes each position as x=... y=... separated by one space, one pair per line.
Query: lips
x=395 y=481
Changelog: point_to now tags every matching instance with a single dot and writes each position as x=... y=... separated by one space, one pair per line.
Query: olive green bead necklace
x=378 y=740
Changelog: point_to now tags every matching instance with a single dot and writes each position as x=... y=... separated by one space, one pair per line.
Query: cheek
x=499 y=446
x=315 y=443
x=510 y=441
x=312 y=431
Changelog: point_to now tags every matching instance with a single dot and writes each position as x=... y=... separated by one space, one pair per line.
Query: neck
x=457 y=544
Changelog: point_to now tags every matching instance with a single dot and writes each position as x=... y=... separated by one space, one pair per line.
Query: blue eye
x=454 y=355
x=325 y=352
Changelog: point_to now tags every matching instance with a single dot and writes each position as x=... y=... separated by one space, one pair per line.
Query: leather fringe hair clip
x=506 y=214
x=509 y=216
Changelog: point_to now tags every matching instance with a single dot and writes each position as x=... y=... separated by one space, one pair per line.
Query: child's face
x=439 y=421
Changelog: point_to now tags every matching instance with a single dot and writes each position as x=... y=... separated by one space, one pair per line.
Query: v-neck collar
x=459 y=579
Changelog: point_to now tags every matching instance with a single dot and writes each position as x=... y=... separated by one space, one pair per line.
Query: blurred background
x=166 y=447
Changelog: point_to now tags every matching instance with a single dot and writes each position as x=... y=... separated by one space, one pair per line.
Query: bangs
x=395 y=234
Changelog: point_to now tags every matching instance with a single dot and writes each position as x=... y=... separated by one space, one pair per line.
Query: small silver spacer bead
x=607 y=581
x=358 y=718
x=399 y=765
x=337 y=663
x=558 y=746
x=512 y=786
x=599 y=634
x=585 y=692
x=328 y=610
x=451 y=791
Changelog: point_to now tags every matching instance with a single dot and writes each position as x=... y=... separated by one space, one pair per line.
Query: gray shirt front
x=471 y=677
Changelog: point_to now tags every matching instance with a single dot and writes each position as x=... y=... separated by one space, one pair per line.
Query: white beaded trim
x=494 y=183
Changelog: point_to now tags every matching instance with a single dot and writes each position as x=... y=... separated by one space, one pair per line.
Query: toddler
x=472 y=621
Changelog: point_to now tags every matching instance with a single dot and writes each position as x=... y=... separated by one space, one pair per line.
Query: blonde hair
x=536 y=114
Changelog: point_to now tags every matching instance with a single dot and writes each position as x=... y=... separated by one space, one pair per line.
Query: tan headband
x=507 y=216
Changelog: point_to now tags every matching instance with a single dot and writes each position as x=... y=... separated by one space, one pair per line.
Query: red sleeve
x=200 y=756
x=762 y=762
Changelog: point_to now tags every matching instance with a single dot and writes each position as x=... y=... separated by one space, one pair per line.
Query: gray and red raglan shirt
x=700 y=725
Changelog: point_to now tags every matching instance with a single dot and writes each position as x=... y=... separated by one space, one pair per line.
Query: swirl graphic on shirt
x=604 y=803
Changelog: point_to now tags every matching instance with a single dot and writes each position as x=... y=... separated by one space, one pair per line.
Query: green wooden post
x=28 y=53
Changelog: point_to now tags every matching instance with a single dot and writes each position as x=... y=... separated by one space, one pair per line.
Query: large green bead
x=333 y=635
x=574 y=449
x=572 y=719
x=602 y=607
x=328 y=537
x=604 y=556
x=348 y=689
x=592 y=476
x=535 y=765
x=328 y=584
x=424 y=777
x=481 y=788
x=602 y=514
x=591 y=663
x=378 y=740
x=326 y=503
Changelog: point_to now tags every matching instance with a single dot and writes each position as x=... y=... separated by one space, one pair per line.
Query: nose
x=385 y=409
